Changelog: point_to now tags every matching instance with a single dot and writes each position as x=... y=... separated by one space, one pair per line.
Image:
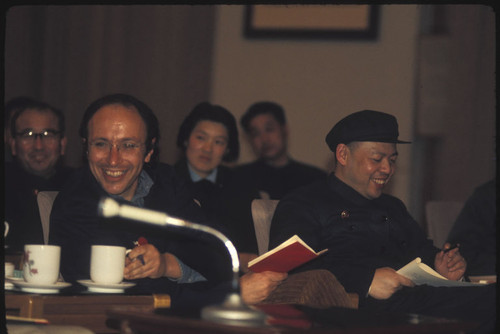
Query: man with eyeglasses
x=37 y=143
x=120 y=137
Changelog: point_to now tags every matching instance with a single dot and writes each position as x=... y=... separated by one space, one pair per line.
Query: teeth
x=113 y=173
x=380 y=181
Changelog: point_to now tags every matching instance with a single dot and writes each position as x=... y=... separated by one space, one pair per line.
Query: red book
x=287 y=256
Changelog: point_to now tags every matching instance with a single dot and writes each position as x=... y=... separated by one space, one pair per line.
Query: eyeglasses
x=104 y=147
x=28 y=136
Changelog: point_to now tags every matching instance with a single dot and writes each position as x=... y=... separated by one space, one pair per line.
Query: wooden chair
x=262 y=214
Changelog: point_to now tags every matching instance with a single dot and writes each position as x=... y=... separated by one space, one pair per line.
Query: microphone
x=232 y=311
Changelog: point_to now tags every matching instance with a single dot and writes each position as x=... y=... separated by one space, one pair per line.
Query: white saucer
x=105 y=288
x=40 y=288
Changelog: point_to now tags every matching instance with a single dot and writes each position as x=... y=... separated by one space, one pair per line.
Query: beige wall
x=319 y=82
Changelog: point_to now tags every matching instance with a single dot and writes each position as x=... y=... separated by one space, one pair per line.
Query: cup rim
x=42 y=245
x=108 y=246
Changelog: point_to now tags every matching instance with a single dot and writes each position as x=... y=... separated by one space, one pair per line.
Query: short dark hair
x=15 y=107
x=259 y=108
x=126 y=100
x=208 y=112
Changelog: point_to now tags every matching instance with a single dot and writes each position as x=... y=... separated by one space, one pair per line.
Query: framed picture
x=312 y=21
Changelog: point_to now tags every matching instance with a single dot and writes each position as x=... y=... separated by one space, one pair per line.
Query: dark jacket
x=361 y=234
x=21 y=206
x=475 y=230
x=75 y=226
x=227 y=202
x=277 y=182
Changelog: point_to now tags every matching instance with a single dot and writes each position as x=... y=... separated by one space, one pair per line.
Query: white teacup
x=107 y=264
x=41 y=264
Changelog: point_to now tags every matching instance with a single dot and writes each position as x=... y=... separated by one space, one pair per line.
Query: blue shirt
x=212 y=177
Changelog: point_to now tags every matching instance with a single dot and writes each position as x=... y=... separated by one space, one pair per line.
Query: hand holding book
x=285 y=257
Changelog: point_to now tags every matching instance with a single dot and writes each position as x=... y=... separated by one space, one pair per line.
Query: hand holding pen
x=151 y=263
x=449 y=262
x=451 y=247
x=141 y=241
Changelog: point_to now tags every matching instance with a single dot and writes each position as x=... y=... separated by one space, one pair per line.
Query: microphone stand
x=232 y=311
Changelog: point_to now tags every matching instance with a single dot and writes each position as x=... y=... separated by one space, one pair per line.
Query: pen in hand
x=452 y=246
x=141 y=241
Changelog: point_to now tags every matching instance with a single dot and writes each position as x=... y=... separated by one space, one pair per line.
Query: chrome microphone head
x=108 y=207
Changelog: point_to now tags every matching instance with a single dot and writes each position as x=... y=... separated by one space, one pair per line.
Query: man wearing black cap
x=369 y=234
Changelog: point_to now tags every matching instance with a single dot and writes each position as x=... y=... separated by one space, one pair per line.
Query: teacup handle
x=6 y=230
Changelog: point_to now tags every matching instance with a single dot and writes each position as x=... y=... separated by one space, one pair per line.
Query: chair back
x=441 y=216
x=262 y=214
x=45 y=200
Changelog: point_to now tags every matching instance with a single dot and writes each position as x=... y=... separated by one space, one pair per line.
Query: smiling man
x=38 y=143
x=120 y=137
x=369 y=235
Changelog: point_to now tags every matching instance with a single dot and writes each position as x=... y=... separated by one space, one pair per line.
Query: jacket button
x=344 y=214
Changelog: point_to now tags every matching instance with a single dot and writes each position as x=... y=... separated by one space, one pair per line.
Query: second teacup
x=107 y=264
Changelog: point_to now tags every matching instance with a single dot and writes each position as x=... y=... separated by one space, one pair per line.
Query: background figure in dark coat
x=274 y=173
x=209 y=137
x=370 y=235
x=37 y=142
x=475 y=230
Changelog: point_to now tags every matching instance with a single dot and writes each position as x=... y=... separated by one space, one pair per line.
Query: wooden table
x=86 y=310
x=339 y=321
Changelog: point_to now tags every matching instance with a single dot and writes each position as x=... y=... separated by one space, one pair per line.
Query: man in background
x=274 y=173
x=475 y=230
x=37 y=143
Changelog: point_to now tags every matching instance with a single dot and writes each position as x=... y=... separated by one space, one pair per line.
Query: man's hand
x=153 y=264
x=386 y=282
x=255 y=287
x=450 y=263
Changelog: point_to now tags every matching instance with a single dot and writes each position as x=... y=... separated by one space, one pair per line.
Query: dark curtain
x=70 y=55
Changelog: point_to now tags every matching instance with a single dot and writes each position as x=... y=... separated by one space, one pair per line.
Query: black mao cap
x=365 y=125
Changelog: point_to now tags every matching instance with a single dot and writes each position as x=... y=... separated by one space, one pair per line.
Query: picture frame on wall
x=347 y=22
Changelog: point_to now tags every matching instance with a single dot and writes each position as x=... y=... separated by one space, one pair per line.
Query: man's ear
x=12 y=144
x=64 y=143
x=285 y=131
x=341 y=153
x=147 y=158
x=84 y=143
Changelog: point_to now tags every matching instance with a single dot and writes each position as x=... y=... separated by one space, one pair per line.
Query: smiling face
x=38 y=156
x=117 y=149
x=268 y=138
x=206 y=147
x=366 y=166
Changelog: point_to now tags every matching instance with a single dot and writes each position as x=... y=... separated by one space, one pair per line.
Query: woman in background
x=208 y=138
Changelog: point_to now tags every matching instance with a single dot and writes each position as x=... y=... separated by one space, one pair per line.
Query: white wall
x=319 y=82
